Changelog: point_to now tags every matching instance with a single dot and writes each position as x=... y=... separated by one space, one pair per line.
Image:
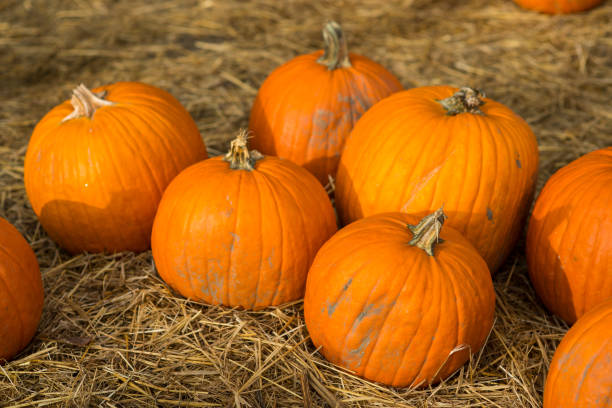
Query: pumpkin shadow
x=124 y=224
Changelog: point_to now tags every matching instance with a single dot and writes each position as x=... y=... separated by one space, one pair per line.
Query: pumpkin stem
x=239 y=157
x=465 y=100
x=86 y=102
x=427 y=231
x=336 y=52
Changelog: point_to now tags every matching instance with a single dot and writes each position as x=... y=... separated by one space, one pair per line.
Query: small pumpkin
x=569 y=239
x=426 y=147
x=97 y=165
x=306 y=108
x=580 y=371
x=558 y=6
x=21 y=292
x=399 y=301
x=241 y=230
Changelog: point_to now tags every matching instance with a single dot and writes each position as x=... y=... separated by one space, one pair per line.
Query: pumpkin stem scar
x=336 y=53
x=466 y=100
x=239 y=157
x=427 y=231
x=85 y=102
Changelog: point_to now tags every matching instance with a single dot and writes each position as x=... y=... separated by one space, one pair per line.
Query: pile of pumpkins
x=432 y=188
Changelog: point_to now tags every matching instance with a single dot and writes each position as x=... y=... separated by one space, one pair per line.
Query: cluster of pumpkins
x=432 y=186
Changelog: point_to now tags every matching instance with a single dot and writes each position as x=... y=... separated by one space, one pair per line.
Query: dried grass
x=112 y=334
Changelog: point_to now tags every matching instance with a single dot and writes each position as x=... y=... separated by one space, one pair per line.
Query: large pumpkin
x=558 y=6
x=306 y=108
x=580 y=374
x=569 y=239
x=382 y=302
x=241 y=230
x=431 y=146
x=97 y=165
x=21 y=292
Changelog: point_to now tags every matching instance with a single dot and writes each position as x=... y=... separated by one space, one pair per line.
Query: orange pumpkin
x=558 y=6
x=21 y=292
x=580 y=374
x=431 y=146
x=241 y=230
x=306 y=108
x=97 y=165
x=382 y=302
x=569 y=239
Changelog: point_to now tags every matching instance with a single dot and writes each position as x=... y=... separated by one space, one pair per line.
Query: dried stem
x=85 y=103
x=466 y=100
x=336 y=52
x=239 y=157
x=427 y=231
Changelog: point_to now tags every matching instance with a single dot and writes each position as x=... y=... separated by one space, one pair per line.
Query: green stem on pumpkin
x=336 y=53
x=239 y=157
x=427 y=231
x=466 y=100
x=85 y=102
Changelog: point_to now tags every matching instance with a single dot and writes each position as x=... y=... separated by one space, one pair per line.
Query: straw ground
x=112 y=334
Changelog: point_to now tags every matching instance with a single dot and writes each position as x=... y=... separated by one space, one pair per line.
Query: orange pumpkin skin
x=304 y=111
x=558 y=6
x=238 y=237
x=95 y=183
x=391 y=313
x=21 y=292
x=406 y=154
x=580 y=374
x=569 y=239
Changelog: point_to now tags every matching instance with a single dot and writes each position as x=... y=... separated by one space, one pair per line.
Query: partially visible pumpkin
x=97 y=165
x=580 y=374
x=382 y=302
x=21 y=292
x=426 y=147
x=241 y=230
x=569 y=239
x=558 y=6
x=306 y=108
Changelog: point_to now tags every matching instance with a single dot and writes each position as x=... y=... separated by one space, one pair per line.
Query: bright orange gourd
x=580 y=374
x=558 y=6
x=96 y=166
x=426 y=147
x=306 y=108
x=569 y=239
x=241 y=230
x=21 y=292
x=382 y=302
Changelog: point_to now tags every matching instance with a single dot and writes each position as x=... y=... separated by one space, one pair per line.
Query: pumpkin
x=558 y=6
x=580 y=371
x=306 y=108
x=569 y=239
x=241 y=230
x=97 y=165
x=426 y=147
x=21 y=292
x=399 y=301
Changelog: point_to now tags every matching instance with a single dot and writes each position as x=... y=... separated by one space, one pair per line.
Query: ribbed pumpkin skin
x=569 y=239
x=558 y=6
x=304 y=112
x=95 y=183
x=238 y=237
x=21 y=292
x=391 y=313
x=580 y=374
x=405 y=154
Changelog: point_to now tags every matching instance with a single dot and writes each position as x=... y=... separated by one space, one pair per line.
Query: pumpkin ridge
x=274 y=194
x=118 y=123
x=18 y=311
x=159 y=118
x=136 y=149
x=230 y=262
x=366 y=358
